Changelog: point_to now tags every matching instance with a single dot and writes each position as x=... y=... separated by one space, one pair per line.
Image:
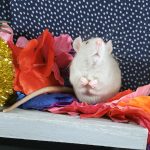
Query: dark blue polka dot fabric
x=126 y=23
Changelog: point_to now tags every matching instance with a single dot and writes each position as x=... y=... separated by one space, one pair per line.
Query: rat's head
x=93 y=46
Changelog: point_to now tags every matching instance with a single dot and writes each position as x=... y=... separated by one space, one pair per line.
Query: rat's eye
x=87 y=42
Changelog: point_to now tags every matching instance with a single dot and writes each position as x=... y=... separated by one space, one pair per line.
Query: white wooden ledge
x=43 y=126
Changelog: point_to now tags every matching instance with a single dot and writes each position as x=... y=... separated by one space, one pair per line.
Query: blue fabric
x=126 y=23
x=46 y=101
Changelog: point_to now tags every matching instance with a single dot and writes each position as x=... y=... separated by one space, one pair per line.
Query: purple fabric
x=148 y=147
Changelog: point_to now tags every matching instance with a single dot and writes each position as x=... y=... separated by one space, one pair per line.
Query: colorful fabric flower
x=35 y=67
x=5 y=35
x=63 y=45
x=21 y=42
x=119 y=95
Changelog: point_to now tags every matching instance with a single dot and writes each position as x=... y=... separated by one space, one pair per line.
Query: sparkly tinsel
x=6 y=73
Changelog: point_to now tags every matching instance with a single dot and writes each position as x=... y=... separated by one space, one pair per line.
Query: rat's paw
x=84 y=81
x=93 y=83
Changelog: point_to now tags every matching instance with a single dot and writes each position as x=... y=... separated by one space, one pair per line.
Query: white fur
x=94 y=63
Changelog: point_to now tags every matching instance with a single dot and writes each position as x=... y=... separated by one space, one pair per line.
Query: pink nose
x=98 y=42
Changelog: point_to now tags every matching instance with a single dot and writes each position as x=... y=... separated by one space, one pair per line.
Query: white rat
x=94 y=73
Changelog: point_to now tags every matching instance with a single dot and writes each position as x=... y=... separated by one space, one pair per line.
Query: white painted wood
x=43 y=126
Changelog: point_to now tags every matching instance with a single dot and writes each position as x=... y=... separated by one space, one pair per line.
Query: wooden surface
x=43 y=126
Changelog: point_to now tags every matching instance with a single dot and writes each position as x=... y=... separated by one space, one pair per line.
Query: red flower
x=34 y=64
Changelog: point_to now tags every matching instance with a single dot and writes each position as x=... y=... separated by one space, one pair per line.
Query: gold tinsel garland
x=6 y=72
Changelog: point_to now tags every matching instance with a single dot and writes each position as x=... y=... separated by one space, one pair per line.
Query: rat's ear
x=109 y=46
x=77 y=43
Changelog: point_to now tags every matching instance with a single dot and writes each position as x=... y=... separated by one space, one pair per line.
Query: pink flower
x=7 y=36
x=63 y=45
x=21 y=42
